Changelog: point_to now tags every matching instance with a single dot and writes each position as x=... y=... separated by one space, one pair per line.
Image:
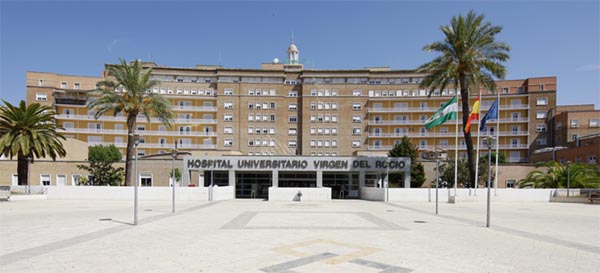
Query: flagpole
x=497 y=145
x=456 y=150
x=478 y=135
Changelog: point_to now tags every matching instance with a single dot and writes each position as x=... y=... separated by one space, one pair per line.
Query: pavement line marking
x=13 y=257
x=286 y=266
x=361 y=250
x=241 y=221
x=386 y=267
x=526 y=234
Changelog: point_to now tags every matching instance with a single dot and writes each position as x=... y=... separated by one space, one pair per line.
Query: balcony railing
x=139 y=119
x=450 y=147
x=484 y=109
x=157 y=145
x=195 y=108
x=142 y=133
x=449 y=134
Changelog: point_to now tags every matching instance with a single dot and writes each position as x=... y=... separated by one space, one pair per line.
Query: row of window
x=324 y=143
x=183 y=91
x=574 y=123
x=323 y=153
x=258 y=118
x=255 y=92
x=257 y=142
x=323 y=131
x=323 y=106
x=259 y=105
x=324 y=118
x=63 y=85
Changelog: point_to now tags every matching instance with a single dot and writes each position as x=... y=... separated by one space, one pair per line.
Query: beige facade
x=285 y=109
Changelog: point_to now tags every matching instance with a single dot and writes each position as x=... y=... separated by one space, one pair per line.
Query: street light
x=173 y=155
x=136 y=142
x=568 y=178
x=490 y=143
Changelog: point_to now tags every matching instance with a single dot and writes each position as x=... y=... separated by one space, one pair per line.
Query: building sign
x=298 y=163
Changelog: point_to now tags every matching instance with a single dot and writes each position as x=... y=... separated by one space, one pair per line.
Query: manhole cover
x=105 y=219
x=420 y=222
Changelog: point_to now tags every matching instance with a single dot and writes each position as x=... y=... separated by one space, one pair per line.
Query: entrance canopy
x=297 y=163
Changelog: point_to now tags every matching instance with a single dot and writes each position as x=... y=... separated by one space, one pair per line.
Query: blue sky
x=547 y=38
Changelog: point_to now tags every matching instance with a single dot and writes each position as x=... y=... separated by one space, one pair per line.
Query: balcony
x=484 y=109
x=142 y=133
x=70 y=97
x=158 y=146
x=451 y=147
x=195 y=108
x=139 y=119
x=449 y=134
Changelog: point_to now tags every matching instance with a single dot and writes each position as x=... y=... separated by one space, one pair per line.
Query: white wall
x=126 y=193
x=372 y=194
x=223 y=193
x=464 y=195
x=308 y=194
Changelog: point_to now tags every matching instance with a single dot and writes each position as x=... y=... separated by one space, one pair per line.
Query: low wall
x=126 y=193
x=466 y=195
x=372 y=194
x=291 y=194
x=223 y=193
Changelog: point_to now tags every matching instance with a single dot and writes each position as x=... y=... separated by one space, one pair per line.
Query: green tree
x=101 y=168
x=555 y=176
x=417 y=170
x=447 y=172
x=469 y=56
x=126 y=91
x=27 y=132
x=177 y=174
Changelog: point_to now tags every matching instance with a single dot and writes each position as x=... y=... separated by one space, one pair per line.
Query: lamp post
x=173 y=155
x=568 y=178
x=490 y=143
x=136 y=142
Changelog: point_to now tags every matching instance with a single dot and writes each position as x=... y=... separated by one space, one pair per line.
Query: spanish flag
x=474 y=114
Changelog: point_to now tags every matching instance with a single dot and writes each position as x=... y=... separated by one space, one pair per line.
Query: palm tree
x=580 y=176
x=28 y=132
x=469 y=56
x=130 y=93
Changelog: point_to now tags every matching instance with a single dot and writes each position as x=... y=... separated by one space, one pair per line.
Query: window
x=313 y=106
x=76 y=85
x=356 y=92
x=319 y=143
x=541 y=114
x=293 y=107
x=574 y=137
x=228 y=142
x=514 y=142
x=228 y=105
x=265 y=130
x=228 y=91
x=272 y=104
x=146 y=180
x=272 y=143
x=251 y=92
x=355 y=143
x=292 y=143
x=334 y=118
x=334 y=143
x=505 y=90
x=320 y=106
x=228 y=130
x=511 y=183
x=250 y=130
x=63 y=85
x=313 y=143
x=574 y=123
x=595 y=122
x=45 y=180
x=272 y=130
x=356 y=118
x=540 y=141
x=542 y=101
x=356 y=106
x=41 y=83
x=423 y=144
x=313 y=118
x=292 y=93
x=540 y=128
x=41 y=97
x=228 y=117
x=292 y=119
x=272 y=118
x=356 y=131
x=250 y=142
x=334 y=106
x=292 y=131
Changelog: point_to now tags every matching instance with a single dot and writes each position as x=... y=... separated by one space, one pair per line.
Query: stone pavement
x=258 y=236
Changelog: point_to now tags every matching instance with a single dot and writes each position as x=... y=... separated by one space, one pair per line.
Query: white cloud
x=589 y=67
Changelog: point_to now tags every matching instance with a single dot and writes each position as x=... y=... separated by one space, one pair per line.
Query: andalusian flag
x=474 y=114
x=447 y=112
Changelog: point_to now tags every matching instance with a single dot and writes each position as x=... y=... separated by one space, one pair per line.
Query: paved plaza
x=260 y=236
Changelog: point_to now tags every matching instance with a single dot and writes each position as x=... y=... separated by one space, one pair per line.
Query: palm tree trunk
x=131 y=118
x=22 y=169
x=464 y=93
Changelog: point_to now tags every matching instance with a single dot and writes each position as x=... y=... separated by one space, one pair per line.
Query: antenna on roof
x=292 y=37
